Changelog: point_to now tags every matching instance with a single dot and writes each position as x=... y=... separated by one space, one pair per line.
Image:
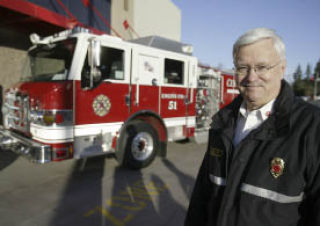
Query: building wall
x=22 y=17
x=146 y=17
x=121 y=10
x=161 y=18
x=94 y=14
x=11 y=61
x=91 y=13
x=13 y=49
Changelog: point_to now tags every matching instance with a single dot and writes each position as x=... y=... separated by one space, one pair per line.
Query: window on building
x=173 y=71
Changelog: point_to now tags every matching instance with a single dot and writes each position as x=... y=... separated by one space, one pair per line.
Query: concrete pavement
x=98 y=192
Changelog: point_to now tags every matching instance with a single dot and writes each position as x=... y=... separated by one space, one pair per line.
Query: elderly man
x=262 y=163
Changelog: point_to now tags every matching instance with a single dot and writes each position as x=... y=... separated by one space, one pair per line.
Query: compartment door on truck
x=100 y=111
x=145 y=80
x=174 y=95
x=192 y=89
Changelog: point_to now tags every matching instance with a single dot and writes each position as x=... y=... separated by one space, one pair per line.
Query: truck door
x=145 y=81
x=99 y=112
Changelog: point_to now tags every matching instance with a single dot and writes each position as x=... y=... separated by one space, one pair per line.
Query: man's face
x=258 y=89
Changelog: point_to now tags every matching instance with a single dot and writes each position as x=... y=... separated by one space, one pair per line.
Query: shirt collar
x=264 y=112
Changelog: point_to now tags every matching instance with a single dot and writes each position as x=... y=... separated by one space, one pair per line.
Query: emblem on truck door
x=101 y=105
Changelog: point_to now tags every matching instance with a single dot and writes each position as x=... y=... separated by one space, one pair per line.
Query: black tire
x=140 y=143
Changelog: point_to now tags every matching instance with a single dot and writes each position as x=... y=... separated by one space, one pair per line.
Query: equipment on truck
x=85 y=95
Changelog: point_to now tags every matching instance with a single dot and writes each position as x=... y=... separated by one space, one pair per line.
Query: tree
x=306 y=87
x=308 y=72
x=302 y=87
x=317 y=70
x=297 y=74
x=316 y=76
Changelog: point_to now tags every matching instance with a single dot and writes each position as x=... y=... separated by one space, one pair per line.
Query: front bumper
x=36 y=152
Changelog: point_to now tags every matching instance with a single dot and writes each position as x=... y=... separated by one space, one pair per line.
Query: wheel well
x=157 y=123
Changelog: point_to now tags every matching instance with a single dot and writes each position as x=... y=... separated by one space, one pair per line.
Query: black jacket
x=236 y=186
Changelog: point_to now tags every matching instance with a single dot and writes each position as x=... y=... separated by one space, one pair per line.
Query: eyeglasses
x=258 y=69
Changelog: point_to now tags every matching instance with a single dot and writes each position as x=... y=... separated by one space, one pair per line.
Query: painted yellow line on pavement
x=128 y=201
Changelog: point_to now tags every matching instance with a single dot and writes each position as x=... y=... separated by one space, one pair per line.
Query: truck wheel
x=141 y=144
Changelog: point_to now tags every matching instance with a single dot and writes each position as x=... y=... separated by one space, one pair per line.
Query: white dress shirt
x=250 y=120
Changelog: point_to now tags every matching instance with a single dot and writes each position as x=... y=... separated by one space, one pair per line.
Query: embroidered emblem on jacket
x=216 y=152
x=277 y=167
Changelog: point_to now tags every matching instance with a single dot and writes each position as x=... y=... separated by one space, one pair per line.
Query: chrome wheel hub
x=142 y=146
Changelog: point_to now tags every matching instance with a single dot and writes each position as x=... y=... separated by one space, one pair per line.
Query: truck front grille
x=16 y=110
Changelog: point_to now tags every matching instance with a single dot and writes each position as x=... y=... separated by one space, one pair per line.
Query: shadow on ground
x=132 y=198
x=7 y=157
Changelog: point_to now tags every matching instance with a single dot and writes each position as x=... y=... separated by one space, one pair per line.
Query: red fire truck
x=85 y=95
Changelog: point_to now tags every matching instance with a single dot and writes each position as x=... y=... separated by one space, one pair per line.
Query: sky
x=212 y=26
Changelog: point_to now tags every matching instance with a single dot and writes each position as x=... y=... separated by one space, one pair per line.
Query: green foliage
x=297 y=74
x=308 y=72
x=317 y=69
x=305 y=87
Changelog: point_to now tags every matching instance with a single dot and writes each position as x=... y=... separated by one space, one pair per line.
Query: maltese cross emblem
x=277 y=167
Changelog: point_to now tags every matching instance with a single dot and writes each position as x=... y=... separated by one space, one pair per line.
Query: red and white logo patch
x=277 y=167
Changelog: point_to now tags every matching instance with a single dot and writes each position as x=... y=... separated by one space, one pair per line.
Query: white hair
x=258 y=34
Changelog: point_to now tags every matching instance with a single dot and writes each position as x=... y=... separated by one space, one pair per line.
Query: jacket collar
x=225 y=120
x=278 y=124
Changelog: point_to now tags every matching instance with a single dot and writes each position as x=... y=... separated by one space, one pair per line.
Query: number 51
x=172 y=105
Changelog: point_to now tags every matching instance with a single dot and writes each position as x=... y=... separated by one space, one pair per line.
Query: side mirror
x=94 y=52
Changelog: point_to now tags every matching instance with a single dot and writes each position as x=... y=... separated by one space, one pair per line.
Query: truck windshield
x=50 y=62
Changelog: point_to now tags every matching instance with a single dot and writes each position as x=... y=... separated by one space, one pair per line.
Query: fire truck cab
x=85 y=95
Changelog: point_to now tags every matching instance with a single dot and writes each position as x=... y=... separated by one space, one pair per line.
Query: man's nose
x=251 y=74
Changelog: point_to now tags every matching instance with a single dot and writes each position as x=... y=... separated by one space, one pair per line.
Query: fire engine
x=84 y=95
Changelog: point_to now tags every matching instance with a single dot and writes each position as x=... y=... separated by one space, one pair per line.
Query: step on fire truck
x=85 y=95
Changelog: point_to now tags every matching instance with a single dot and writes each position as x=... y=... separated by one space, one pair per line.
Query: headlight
x=51 y=117
x=48 y=118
